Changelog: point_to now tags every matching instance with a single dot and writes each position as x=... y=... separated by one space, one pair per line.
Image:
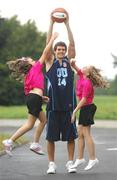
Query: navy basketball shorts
x=34 y=104
x=86 y=115
x=59 y=126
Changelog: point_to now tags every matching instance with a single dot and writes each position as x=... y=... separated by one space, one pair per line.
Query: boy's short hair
x=60 y=43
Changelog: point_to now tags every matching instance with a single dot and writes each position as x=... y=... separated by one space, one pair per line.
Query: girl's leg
x=81 y=142
x=81 y=145
x=91 y=148
x=40 y=127
x=24 y=128
x=89 y=142
x=35 y=146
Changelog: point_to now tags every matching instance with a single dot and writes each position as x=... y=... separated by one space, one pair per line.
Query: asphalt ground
x=26 y=165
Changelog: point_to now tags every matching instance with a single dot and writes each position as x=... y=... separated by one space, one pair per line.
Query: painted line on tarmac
x=112 y=149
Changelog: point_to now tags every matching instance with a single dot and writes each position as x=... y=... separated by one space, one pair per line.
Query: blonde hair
x=19 y=68
x=97 y=79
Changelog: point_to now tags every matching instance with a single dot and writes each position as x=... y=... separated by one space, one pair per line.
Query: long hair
x=19 y=68
x=97 y=79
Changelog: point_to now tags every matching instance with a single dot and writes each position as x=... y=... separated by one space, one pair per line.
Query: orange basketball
x=59 y=15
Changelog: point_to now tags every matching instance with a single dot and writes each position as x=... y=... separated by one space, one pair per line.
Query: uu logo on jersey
x=64 y=64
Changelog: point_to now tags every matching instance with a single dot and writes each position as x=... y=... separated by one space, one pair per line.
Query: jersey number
x=61 y=82
x=62 y=74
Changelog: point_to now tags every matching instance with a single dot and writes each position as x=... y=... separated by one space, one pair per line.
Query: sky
x=93 y=23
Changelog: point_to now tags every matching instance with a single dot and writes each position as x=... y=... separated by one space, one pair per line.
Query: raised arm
x=50 y=31
x=48 y=48
x=73 y=64
x=49 y=60
x=71 y=46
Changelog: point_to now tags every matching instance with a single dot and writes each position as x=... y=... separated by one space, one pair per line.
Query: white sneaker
x=91 y=164
x=35 y=147
x=8 y=146
x=52 y=168
x=78 y=162
x=69 y=167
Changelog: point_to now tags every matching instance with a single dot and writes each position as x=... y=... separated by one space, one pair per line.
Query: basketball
x=59 y=15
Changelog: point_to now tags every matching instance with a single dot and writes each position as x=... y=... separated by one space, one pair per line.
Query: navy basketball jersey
x=60 y=87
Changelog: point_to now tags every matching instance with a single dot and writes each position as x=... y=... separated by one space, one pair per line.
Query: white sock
x=10 y=141
x=35 y=144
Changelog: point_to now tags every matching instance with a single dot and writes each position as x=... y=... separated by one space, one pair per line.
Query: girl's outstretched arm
x=73 y=64
x=48 y=48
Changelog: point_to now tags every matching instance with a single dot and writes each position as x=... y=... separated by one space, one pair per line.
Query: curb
x=13 y=122
x=105 y=123
x=18 y=122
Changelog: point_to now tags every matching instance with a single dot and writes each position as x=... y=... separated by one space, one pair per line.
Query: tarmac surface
x=26 y=165
x=19 y=122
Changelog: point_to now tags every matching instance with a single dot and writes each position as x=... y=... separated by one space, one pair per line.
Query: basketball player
x=62 y=99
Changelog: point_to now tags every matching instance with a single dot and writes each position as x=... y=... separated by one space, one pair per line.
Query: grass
x=106 y=109
x=13 y=112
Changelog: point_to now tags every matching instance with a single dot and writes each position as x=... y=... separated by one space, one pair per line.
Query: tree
x=16 y=41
